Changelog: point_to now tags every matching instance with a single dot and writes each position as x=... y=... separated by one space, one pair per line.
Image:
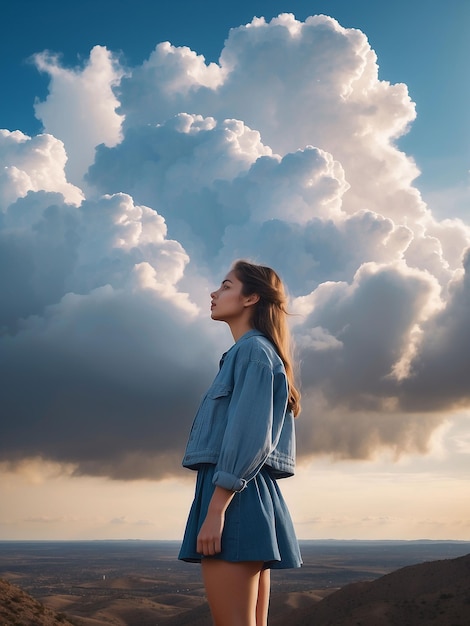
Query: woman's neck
x=239 y=328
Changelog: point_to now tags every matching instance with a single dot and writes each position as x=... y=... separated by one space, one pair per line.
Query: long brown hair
x=270 y=316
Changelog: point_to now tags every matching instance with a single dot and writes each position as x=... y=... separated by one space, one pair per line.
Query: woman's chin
x=216 y=317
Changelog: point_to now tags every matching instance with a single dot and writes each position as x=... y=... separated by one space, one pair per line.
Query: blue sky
x=424 y=44
x=133 y=172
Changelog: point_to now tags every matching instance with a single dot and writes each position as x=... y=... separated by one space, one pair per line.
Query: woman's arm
x=209 y=537
x=255 y=417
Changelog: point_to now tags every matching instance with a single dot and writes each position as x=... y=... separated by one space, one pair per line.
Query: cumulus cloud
x=81 y=106
x=33 y=164
x=100 y=336
x=374 y=317
x=284 y=152
x=439 y=372
x=314 y=78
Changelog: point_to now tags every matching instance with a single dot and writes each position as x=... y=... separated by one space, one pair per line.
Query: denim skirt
x=258 y=525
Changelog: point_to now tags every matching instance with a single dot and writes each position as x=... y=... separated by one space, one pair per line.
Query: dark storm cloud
x=100 y=379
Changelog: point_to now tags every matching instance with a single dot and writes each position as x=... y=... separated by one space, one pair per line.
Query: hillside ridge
x=436 y=592
x=18 y=607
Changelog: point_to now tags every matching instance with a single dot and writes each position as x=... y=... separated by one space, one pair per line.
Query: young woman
x=241 y=442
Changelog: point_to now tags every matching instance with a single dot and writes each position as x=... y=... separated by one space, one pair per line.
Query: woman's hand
x=210 y=535
x=209 y=539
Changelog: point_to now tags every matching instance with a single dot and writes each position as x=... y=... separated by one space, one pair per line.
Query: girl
x=241 y=441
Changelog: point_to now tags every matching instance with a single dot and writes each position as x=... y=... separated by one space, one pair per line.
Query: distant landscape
x=141 y=583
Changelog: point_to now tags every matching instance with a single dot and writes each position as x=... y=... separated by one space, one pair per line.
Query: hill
x=437 y=593
x=17 y=608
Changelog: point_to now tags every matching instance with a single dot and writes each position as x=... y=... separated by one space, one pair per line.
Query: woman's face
x=228 y=303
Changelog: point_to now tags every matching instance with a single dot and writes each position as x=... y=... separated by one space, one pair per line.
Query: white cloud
x=33 y=164
x=299 y=83
x=284 y=153
x=81 y=106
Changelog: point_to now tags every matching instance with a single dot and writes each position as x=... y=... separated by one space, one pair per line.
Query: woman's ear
x=251 y=299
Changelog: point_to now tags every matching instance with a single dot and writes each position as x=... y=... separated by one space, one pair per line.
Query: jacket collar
x=250 y=333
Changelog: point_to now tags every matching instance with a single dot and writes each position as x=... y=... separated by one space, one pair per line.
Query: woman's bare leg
x=262 y=605
x=232 y=591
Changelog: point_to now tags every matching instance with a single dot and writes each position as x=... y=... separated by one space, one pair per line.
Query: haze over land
x=127 y=583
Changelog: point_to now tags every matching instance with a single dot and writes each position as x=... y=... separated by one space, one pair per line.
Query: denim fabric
x=257 y=523
x=243 y=421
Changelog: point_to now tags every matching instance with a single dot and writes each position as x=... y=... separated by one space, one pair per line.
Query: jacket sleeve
x=254 y=422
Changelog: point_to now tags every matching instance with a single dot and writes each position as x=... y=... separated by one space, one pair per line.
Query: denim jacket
x=243 y=422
